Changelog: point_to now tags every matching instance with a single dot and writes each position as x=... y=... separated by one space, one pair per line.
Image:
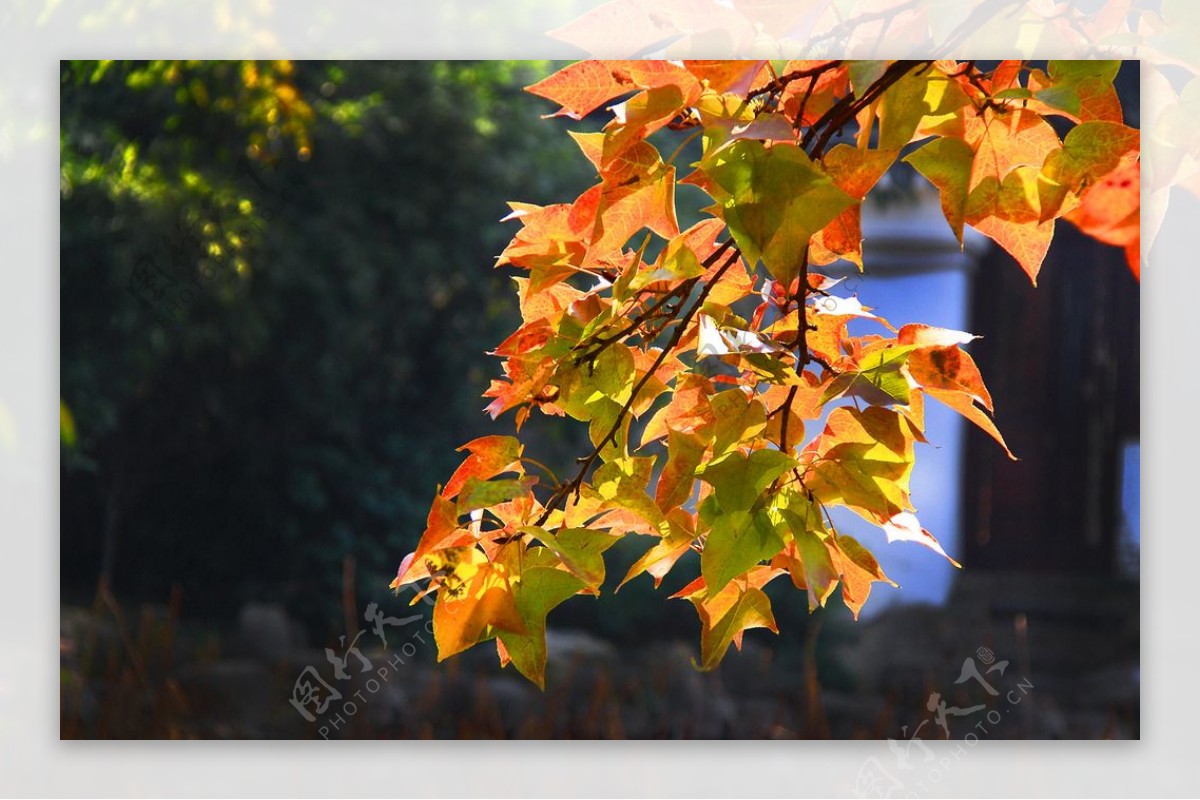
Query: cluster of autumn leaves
x=730 y=408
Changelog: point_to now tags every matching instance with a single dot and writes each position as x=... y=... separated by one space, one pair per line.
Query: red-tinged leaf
x=815 y=94
x=441 y=532
x=856 y=171
x=734 y=284
x=826 y=340
x=996 y=199
x=638 y=159
x=489 y=456
x=1110 y=211
x=526 y=377
x=949 y=369
x=726 y=76
x=639 y=117
x=656 y=74
x=548 y=304
x=964 y=405
x=622 y=211
x=1090 y=151
x=905 y=527
x=581 y=88
x=724 y=616
x=1008 y=213
x=859 y=570
x=474 y=600
x=1004 y=141
x=547 y=239
x=863 y=460
x=531 y=336
x=929 y=336
x=659 y=559
x=1079 y=90
x=677 y=480
x=689 y=410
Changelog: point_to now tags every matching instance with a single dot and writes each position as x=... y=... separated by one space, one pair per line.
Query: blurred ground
x=1071 y=645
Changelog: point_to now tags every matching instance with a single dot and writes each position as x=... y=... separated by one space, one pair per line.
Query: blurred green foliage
x=276 y=301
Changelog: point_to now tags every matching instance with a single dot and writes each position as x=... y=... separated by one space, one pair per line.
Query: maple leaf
x=581 y=88
x=489 y=456
x=540 y=588
x=859 y=570
x=863 y=460
x=581 y=551
x=474 y=600
x=441 y=531
x=808 y=99
x=742 y=532
x=1089 y=151
x=725 y=615
x=905 y=527
x=855 y=172
x=659 y=559
x=773 y=199
x=1109 y=211
x=988 y=179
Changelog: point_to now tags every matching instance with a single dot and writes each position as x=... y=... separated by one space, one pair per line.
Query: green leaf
x=540 y=589
x=478 y=494
x=946 y=162
x=736 y=418
x=738 y=540
x=880 y=382
x=751 y=609
x=738 y=479
x=820 y=573
x=1077 y=71
x=774 y=200
x=622 y=482
x=581 y=550
x=1090 y=151
x=916 y=99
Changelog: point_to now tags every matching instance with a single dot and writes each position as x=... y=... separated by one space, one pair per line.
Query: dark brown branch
x=574 y=485
x=782 y=81
x=783 y=423
x=846 y=108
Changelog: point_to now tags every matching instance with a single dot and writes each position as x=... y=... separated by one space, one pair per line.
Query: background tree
x=258 y=264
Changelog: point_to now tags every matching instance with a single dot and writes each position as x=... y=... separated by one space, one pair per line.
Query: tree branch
x=574 y=485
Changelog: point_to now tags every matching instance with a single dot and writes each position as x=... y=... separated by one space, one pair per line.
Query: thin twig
x=576 y=483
